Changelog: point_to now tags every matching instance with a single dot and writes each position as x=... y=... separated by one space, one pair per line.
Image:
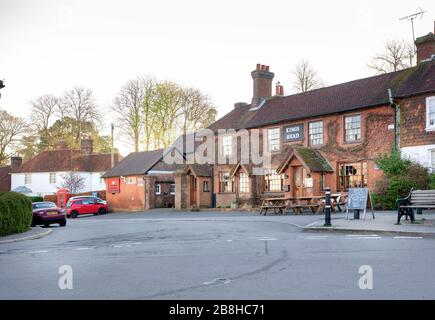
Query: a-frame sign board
x=357 y=200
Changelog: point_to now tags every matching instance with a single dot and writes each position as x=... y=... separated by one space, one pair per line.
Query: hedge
x=15 y=213
x=36 y=199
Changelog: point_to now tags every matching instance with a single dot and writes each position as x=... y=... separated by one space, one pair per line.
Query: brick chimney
x=16 y=162
x=279 y=89
x=426 y=47
x=87 y=146
x=262 y=84
x=61 y=145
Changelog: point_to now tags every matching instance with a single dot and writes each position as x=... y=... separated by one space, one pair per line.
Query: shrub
x=36 y=199
x=432 y=181
x=15 y=213
x=400 y=175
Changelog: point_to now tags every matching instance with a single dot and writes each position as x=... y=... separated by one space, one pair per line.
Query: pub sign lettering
x=294 y=132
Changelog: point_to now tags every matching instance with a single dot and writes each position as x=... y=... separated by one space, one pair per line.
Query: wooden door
x=298 y=181
x=193 y=190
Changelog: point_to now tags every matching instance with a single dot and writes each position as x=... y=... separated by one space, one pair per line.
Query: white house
x=44 y=174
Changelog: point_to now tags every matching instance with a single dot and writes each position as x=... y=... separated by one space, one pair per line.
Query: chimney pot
x=87 y=146
x=262 y=79
x=258 y=66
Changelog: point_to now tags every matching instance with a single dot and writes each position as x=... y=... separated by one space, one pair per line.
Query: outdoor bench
x=417 y=199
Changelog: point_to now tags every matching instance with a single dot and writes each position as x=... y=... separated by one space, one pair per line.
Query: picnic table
x=315 y=203
x=273 y=203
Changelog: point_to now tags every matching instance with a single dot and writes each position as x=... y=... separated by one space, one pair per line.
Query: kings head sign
x=294 y=132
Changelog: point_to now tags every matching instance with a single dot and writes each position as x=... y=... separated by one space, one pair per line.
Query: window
x=28 y=178
x=322 y=181
x=315 y=132
x=101 y=177
x=205 y=186
x=52 y=178
x=273 y=139
x=430 y=113
x=272 y=181
x=352 y=175
x=158 y=189
x=352 y=128
x=432 y=160
x=225 y=182
x=227 y=146
x=172 y=189
x=243 y=182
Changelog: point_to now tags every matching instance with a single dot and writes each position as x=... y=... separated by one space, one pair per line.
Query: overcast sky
x=47 y=46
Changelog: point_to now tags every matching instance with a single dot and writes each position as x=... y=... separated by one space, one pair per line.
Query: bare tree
x=149 y=94
x=44 y=109
x=397 y=55
x=74 y=182
x=196 y=110
x=81 y=106
x=305 y=77
x=128 y=107
x=11 y=130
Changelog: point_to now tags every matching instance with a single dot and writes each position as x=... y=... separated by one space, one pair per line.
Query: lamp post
x=327 y=207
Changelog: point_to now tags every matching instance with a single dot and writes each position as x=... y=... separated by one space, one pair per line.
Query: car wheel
x=74 y=214
x=63 y=223
x=101 y=211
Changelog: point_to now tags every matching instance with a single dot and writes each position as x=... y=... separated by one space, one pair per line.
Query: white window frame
x=243 y=182
x=352 y=128
x=274 y=138
x=27 y=178
x=432 y=160
x=158 y=189
x=315 y=132
x=170 y=188
x=227 y=146
x=50 y=177
x=430 y=104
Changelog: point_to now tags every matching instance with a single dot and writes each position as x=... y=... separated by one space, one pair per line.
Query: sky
x=48 y=46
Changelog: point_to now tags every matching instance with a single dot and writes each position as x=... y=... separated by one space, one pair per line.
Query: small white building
x=44 y=174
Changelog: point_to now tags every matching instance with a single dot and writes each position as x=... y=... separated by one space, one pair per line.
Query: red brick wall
x=413 y=122
x=130 y=198
x=425 y=50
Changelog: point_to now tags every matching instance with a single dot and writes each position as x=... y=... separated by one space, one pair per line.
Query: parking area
x=212 y=255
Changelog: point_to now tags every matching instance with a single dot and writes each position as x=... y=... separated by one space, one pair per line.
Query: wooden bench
x=297 y=208
x=279 y=207
x=417 y=199
x=341 y=201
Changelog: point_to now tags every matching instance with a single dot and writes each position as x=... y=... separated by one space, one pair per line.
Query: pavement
x=31 y=234
x=384 y=223
x=213 y=255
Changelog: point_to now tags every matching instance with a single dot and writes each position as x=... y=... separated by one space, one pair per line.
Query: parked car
x=47 y=213
x=88 y=197
x=79 y=206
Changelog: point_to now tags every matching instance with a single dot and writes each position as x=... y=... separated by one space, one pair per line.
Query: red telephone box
x=62 y=197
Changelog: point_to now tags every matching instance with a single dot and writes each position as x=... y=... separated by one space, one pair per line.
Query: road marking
x=39 y=251
x=403 y=237
x=361 y=235
x=266 y=239
x=83 y=248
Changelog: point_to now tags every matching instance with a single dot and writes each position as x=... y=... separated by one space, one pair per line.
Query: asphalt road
x=168 y=255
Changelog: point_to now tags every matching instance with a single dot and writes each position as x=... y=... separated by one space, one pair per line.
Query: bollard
x=327 y=207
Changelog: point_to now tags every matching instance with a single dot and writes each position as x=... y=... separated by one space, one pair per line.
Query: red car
x=47 y=213
x=76 y=207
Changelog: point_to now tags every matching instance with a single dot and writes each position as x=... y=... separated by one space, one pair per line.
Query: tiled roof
x=312 y=159
x=344 y=97
x=200 y=170
x=136 y=163
x=5 y=179
x=67 y=160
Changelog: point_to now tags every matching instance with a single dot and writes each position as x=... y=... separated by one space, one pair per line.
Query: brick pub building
x=324 y=137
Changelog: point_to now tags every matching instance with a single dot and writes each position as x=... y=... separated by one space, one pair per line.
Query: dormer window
x=430 y=113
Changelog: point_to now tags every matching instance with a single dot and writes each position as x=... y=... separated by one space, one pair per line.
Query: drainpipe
x=396 y=122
